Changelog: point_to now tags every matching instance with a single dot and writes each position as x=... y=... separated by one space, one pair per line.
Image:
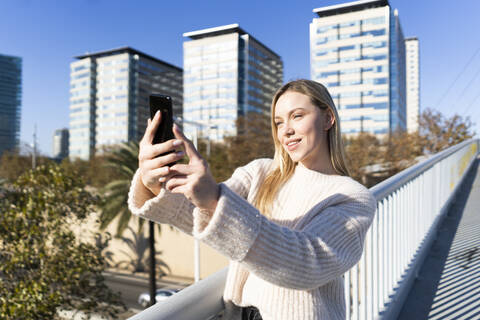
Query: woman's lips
x=293 y=145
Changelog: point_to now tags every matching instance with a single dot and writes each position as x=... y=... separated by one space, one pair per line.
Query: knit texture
x=290 y=266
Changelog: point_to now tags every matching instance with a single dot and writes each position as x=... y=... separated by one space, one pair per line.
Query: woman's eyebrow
x=290 y=112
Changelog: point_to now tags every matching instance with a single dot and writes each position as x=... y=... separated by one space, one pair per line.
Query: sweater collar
x=305 y=172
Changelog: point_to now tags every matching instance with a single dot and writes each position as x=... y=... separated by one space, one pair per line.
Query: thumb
x=190 y=149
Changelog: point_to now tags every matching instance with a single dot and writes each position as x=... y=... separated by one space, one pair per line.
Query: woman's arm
x=299 y=259
x=166 y=207
x=174 y=208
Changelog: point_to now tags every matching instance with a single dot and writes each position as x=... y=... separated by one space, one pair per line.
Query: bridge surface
x=448 y=284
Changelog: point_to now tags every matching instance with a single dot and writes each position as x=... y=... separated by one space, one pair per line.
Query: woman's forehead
x=290 y=101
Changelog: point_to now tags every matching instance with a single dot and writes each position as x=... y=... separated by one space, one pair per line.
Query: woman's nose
x=289 y=130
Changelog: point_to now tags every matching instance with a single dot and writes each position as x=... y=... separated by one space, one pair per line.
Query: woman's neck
x=323 y=165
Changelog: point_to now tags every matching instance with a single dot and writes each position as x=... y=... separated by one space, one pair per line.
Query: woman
x=291 y=226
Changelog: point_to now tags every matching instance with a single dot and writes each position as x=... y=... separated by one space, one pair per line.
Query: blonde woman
x=291 y=226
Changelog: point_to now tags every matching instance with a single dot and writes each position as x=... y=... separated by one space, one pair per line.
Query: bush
x=43 y=266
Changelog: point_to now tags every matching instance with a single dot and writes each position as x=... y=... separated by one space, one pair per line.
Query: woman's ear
x=329 y=119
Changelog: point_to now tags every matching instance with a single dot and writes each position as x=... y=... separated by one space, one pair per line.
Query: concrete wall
x=175 y=246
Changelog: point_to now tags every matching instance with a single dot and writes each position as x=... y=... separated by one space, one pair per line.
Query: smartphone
x=164 y=104
x=164 y=131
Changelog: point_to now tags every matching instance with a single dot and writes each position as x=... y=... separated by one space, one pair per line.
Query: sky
x=48 y=34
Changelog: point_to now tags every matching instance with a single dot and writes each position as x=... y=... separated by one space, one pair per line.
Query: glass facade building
x=357 y=51
x=228 y=73
x=109 y=94
x=10 y=102
x=60 y=144
x=413 y=83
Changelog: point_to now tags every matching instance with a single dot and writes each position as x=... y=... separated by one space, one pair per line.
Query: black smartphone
x=164 y=104
x=164 y=131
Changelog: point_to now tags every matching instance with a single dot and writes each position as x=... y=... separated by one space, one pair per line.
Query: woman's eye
x=278 y=123
x=297 y=116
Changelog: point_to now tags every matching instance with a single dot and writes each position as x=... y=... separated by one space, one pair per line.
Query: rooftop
x=221 y=30
x=121 y=50
x=349 y=7
x=216 y=31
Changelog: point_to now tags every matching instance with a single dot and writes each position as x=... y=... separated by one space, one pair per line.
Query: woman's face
x=302 y=128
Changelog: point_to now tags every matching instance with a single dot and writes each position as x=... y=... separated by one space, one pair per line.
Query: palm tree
x=124 y=161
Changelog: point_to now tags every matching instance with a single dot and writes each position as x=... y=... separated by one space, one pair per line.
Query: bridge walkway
x=448 y=283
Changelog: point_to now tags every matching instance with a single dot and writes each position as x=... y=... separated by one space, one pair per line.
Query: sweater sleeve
x=166 y=207
x=174 y=208
x=328 y=246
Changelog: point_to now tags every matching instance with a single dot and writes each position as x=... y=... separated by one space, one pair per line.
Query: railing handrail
x=387 y=186
x=203 y=300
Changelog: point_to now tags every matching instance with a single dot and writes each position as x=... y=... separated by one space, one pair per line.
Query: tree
x=123 y=160
x=13 y=165
x=438 y=132
x=43 y=266
x=362 y=151
x=218 y=160
x=401 y=150
x=253 y=141
x=372 y=160
x=93 y=171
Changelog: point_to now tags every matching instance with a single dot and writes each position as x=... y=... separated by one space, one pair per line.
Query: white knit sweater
x=290 y=266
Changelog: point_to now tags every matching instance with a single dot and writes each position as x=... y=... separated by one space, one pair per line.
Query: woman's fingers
x=151 y=151
x=152 y=128
x=190 y=150
x=183 y=169
x=175 y=182
x=162 y=161
x=152 y=177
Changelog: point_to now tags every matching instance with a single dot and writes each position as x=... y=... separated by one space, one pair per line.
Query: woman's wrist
x=209 y=208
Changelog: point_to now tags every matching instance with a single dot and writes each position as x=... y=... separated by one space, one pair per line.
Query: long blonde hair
x=283 y=166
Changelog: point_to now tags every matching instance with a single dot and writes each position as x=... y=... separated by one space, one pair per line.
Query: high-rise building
x=357 y=50
x=60 y=143
x=109 y=93
x=228 y=73
x=10 y=102
x=413 y=83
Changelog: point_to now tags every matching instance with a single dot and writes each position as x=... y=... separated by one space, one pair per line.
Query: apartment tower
x=228 y=74
x=10 y=102
x=60 y=144
x=357 y=50
x=413 y=83
x=109 y=93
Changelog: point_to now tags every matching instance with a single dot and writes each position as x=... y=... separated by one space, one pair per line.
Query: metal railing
x=410 y=207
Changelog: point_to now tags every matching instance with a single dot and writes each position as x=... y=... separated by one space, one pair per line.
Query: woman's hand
x=152 y=168
x=194 y=180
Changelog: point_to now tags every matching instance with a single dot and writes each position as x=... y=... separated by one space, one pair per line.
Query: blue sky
x=48 y=34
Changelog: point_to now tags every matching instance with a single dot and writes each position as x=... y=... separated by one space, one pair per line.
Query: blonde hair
x=283 y=166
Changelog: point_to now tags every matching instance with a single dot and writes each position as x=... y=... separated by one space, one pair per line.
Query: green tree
x=13 y=165
x=123 y=161
x=43 y=265
x=93 y=171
